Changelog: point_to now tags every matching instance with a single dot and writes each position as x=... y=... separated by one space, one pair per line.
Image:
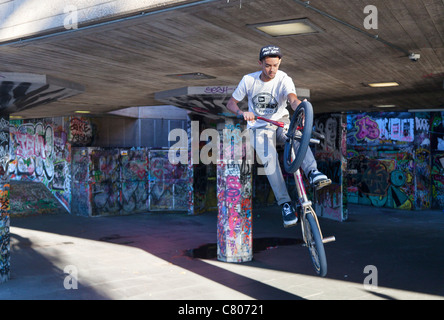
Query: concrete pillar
x=234 y=189
x=4 y=201
x=330 y=154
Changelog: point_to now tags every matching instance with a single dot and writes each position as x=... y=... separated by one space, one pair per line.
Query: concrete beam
x=20 y=91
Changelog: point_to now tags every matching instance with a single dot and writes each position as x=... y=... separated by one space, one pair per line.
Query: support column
x=332 y=161
x=234 y=190
x=4 y=201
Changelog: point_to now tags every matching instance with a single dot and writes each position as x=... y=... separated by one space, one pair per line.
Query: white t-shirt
x=265 y=99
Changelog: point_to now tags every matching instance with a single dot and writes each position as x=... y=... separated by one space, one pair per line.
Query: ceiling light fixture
x=82 y=111
x=383 y=84
x=286 y=28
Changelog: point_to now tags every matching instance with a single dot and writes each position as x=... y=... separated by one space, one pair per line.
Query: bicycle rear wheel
x=299 y=134
x=315 y=245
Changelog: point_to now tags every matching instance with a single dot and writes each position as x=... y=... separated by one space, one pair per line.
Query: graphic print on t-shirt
x=264 y=104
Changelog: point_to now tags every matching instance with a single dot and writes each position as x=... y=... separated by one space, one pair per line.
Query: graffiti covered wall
x=55 y=152
x=41 y=152
x=390 y=160
x=168 y=183
x=109 y=181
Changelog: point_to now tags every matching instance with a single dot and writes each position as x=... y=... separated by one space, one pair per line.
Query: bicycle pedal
x=321 y=184
x=329 y=239
x=286 y=226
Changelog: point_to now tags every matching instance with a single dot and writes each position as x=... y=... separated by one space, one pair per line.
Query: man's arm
x=294 y=101
x=233 y=107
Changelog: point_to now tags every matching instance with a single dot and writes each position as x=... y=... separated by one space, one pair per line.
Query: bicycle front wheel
x=299 y=135
x=315 y=245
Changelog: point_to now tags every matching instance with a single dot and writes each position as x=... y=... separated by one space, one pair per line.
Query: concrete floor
x=144 y=256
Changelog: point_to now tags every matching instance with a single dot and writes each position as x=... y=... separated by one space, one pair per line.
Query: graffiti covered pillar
x=331 y=158
x=4 y=201
x=437 y=158
x=234 y=189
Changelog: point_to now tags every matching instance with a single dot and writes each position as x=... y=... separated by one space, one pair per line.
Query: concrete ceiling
x=123 y=64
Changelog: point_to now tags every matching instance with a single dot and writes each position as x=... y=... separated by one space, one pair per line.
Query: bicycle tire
x=315 y=245
x=299 y=145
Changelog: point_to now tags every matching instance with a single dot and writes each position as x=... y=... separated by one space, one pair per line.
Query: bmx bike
x=299 y=135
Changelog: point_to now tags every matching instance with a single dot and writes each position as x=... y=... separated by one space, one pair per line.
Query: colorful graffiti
x=381 y=182
x=329 y=201
x=422 y=165
x=438 y=180
x=81 y=131
x=167 y=183
x=437 y=155
x=30 y=198
x=121 y=181
x=81 y=200
x=395 y=169
x=394 y=160
x=367 y=129
x=4 y=202
x=380 y=128
x=32 y=148
x=5 y=263
x=234 y=226
x=40 y=152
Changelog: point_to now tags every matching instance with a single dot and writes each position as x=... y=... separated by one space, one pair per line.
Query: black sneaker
x=318 y=180
x=289 y=215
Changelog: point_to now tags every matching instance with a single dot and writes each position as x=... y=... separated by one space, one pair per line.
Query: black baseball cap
x=270 y=51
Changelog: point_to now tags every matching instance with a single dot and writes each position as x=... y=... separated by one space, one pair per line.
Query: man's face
x=269 y=66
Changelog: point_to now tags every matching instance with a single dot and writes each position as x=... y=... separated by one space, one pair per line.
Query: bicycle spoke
x=314 y=243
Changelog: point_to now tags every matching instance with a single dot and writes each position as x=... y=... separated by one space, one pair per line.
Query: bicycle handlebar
x=282 y=124
x=276 y=123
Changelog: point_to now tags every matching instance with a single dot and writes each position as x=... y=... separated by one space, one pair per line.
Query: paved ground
x=146 y=256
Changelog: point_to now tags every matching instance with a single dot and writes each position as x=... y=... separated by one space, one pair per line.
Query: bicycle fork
x=307 y=208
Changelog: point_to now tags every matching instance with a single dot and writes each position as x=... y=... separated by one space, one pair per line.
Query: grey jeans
x=264 y=140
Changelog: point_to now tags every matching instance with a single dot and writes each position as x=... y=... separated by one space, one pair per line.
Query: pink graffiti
x=233 y=196
x=367 y=128
x=32 y=145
